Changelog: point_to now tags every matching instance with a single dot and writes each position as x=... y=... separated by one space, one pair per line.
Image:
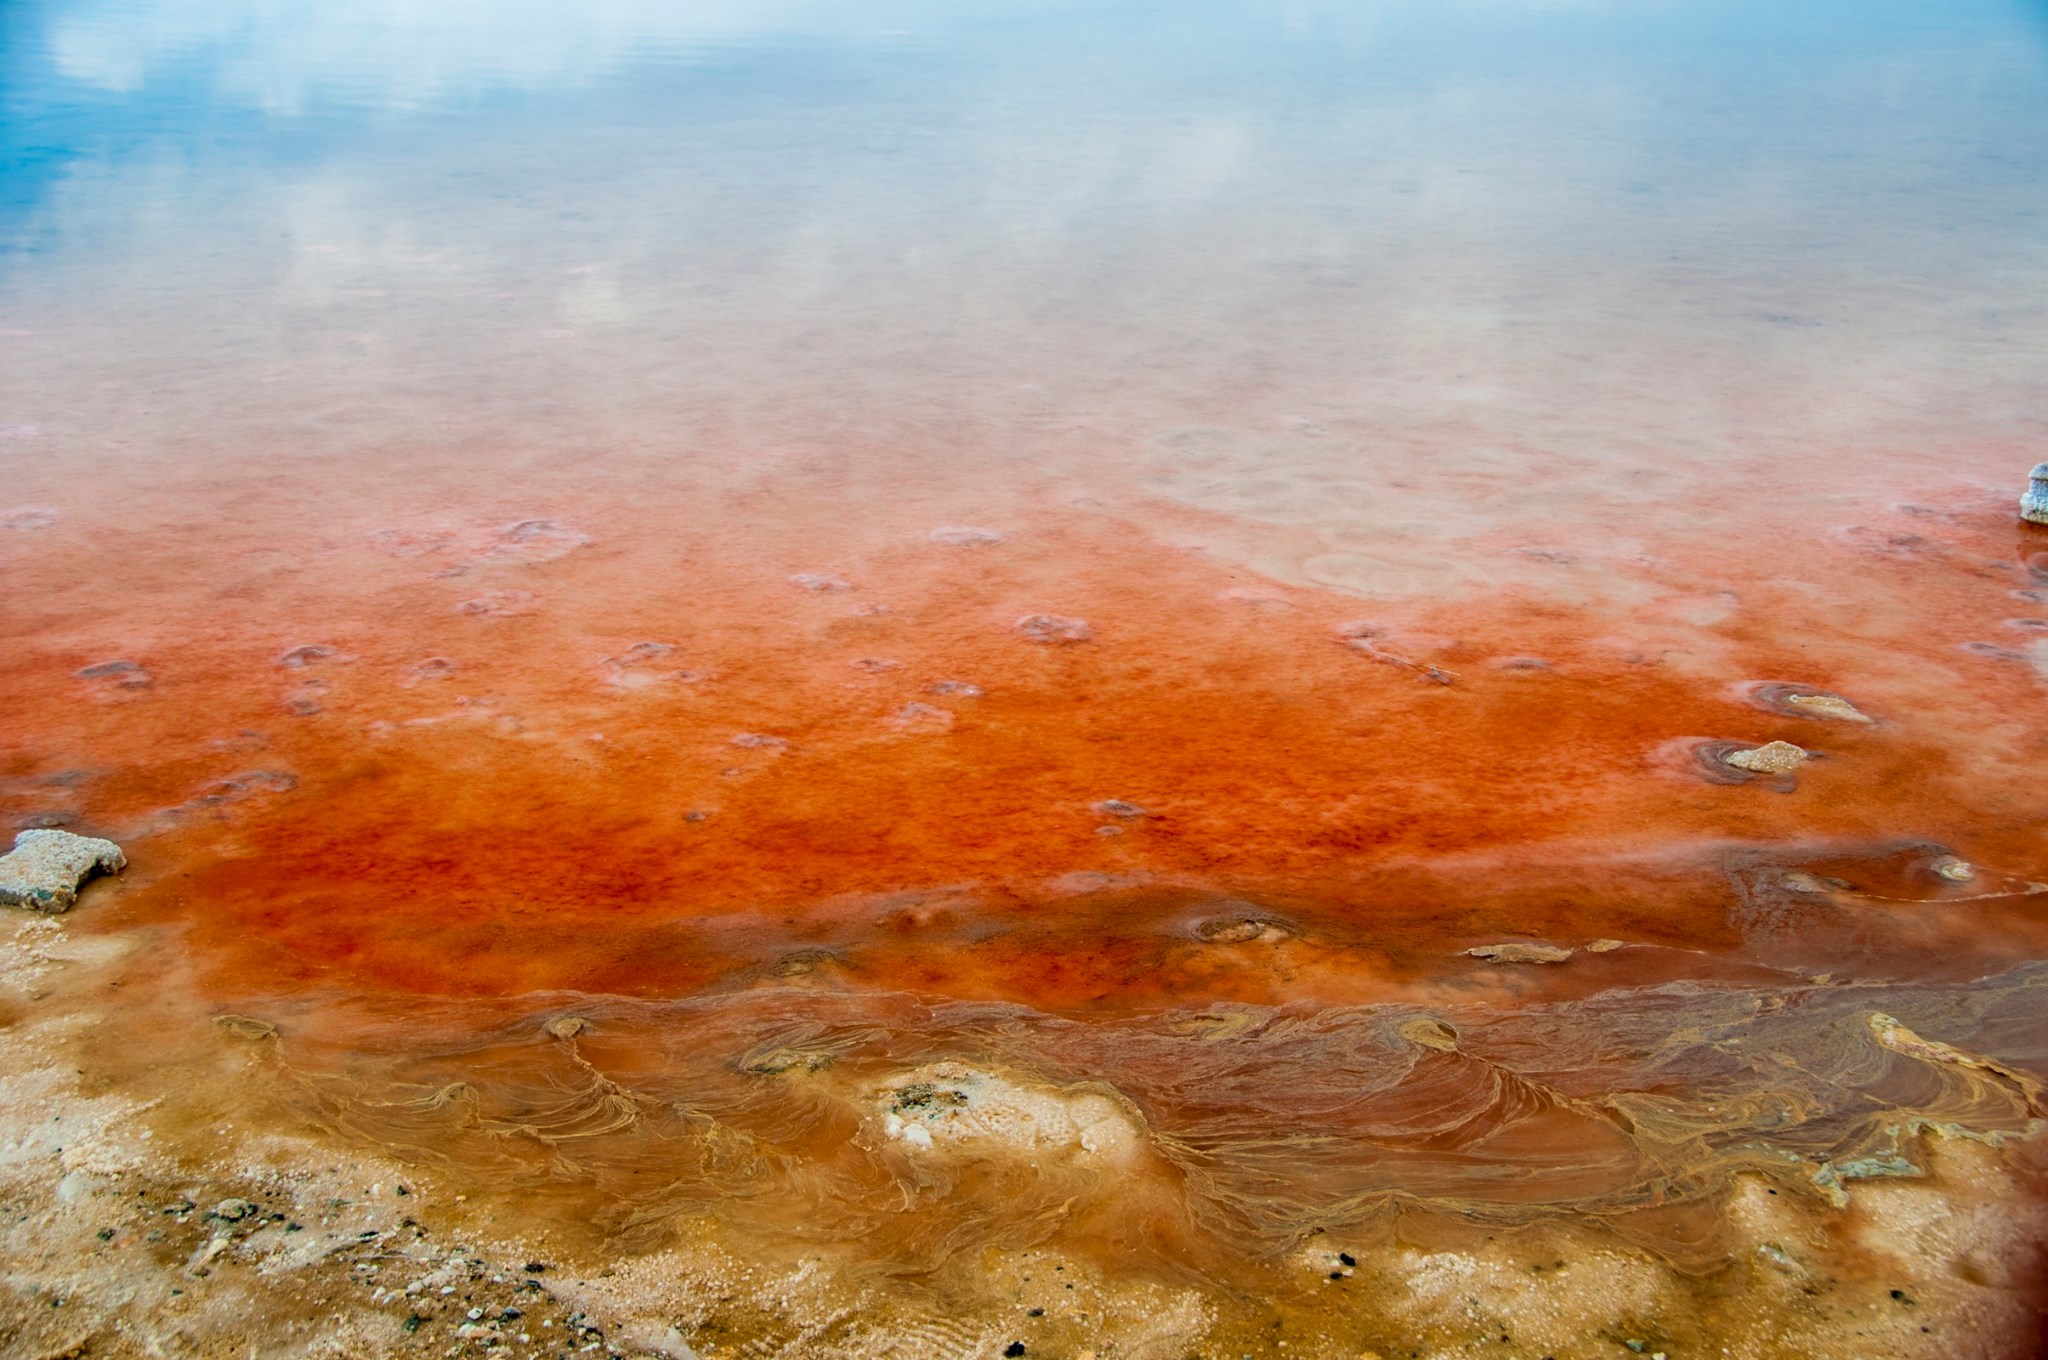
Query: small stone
x=1054 y=629
x=1606 y=946
x=1519 y=953
x=2034 y=504
x=234 y=1210
x=566 y=1026
x=44 y=869
x=1776 y=757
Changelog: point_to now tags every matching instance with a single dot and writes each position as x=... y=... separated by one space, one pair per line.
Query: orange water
x=536 y=540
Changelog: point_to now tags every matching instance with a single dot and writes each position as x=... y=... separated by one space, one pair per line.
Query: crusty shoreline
x=278 y=1242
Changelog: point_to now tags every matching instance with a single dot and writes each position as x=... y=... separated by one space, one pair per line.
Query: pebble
x=1054 y=629
x=233 y=1210
x=45 y=868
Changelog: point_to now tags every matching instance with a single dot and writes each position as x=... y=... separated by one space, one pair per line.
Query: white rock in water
x=45 y=868
x=950 y=1106
x=2034 y=505
x=1773 y=757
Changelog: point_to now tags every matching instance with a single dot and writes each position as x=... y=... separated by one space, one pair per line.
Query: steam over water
x=917 y=630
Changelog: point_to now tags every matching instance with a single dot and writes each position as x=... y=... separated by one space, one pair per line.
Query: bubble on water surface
x=28 y=517
x=1117 y=807
x=875 y=665
x=960 y=689
x=311 y=654
x=1054 y=629
x=819 y=581
x=759 y=741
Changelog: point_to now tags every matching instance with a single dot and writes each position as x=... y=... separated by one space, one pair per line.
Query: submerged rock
x=1827 y=706
x=1774 y=757
x=1244 y=929
x=1054 y=629
x=1519 y=953
x=949 y=1104
x=1806 y=701
x=45 y=868
x=963 y=535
